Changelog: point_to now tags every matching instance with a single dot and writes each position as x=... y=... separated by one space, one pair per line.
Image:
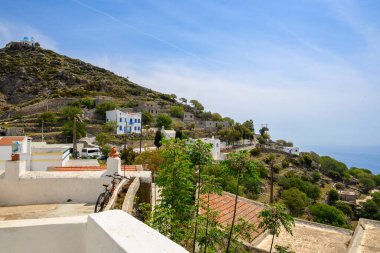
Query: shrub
x=88 y=102
x=295 y=200
x=255 y=151
x=345 y=208
x=332 y=168
x=285 y=163
x=330 y=215
x=333 y=196
x=147 y=118
x=176 y=111
x=290 y=180
x=164 y=120
x=306 y=160
x=316 y=176
x=102 y=108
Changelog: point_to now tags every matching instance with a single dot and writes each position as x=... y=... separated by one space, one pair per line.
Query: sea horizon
x=367 y=157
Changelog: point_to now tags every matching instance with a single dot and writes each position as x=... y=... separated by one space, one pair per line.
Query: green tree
x=102 y=108
x=73 y=125
x=109 y=127
x=216 y=117
x=147 y=118
x=291 y=180
x=330 y=215
x=366 y=181
x=158 y=138
x=89 y=103
x=306 y=160
x=174 y=213
x=264 y=130
x=200 y=155
x=179 y=134
x=295 y=200
x=273 y=219
x=316 y=176
x=164 y=120
x=332 y=168
x=198 y=106
x=183 y=100
x=333 y=196
x=44 y=118
x=345 y=208
x=104 y=138
x=176 y=111
x=239 y=164
x=128 y=155
x=152 y=159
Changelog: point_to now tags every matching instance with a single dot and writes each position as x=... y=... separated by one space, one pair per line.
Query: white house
x=38 y=155
x=215 y=151
x=168 y=133
x=291 y=150
x=127 y=122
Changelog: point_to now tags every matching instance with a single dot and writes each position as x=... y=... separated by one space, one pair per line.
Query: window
x=120 y=128
x=135 y=120
x=121 y=119
x=130 y=121
x=138 y=120
x=135 y=128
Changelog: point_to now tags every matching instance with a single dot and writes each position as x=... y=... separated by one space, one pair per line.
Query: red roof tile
x=246 y=209
x=7 y=140
x=94 y=168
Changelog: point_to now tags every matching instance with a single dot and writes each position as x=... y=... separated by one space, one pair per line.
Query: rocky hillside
x=29 y=75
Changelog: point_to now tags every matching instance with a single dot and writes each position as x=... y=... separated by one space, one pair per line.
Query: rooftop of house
x=7 y=140
x=347 y=192
x=93 y=168
x=308 y=237
x=366 y=237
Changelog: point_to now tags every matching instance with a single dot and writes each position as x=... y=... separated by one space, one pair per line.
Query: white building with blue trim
x=127 y=122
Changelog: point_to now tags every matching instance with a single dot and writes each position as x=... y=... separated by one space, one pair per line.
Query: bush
x=332 y=168
x=164 y=120
x=316 y=176
x=330 y=215
x=295 y=200
x=261 y=140
x=255 y=151
x=367 y=182
x=176 y=111
x=306 y=160
x=285 y=163
x=333 y=196
x=88 y=102
x=102 y=108
x=147 y=118
x=290 y=180
x=345 y=208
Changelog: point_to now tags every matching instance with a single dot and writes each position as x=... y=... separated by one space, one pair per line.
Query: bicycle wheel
x=106 y=200
x=100 y=202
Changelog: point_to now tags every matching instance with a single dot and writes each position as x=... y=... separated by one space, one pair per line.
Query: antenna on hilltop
x=264 y=125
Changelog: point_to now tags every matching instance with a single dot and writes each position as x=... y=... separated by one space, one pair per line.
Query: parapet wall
x=110 y=231
x=21 y=187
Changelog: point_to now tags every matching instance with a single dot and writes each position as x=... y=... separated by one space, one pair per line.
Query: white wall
x=125 y=123
x=65 y=234
x=111 y=231
x=20 y=187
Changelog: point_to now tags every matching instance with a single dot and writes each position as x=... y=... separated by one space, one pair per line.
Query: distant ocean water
x=355 y=156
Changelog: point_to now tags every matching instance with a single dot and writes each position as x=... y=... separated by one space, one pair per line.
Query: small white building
x=291 y=150
x=39 y=156
x=215 y=151
x=168 y=133
x=127 y=122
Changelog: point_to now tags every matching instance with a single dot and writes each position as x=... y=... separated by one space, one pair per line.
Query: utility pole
x=75 y=138
x=271 y=184
x=42 y=131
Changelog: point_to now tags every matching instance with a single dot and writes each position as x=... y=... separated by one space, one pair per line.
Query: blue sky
x=310 y=69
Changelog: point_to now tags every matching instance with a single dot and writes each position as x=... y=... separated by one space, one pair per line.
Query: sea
x=367 y=157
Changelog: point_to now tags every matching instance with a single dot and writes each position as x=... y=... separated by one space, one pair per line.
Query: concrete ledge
x=129 y=198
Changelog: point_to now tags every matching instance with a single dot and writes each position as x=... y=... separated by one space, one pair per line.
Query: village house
x=150 y=107
x=209 y=125
x=291 y=150
x=188 y=117
x=127 y=122
x=168 y=133
x=349 y=196
x=215 y=150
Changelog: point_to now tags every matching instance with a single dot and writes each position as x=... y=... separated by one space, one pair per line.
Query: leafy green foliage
x=295 y=200
x=158 y=138
x=371 y=208
x=102 y=108
x=147 y=118
x=47 y=117
x=176 y=111
x=109 y=127
x=71 y=112
x=346 y=208
x=104 y=138
x=330 y=215
x=67 y=129
x=274 y=218
x=255 y=151
x=128 y=155
x=333 y=196
x=198 y=106
x=173 y=214
x=89 y=103
x=291 y=180
x=164 y=120
x=306 y=160
x=332 y=168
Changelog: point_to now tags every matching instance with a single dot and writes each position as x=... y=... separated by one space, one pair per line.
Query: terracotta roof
x=94 y=168
x=7 y=140
x=246 y=209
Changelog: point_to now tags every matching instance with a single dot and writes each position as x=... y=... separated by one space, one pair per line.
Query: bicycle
x=105 y=196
